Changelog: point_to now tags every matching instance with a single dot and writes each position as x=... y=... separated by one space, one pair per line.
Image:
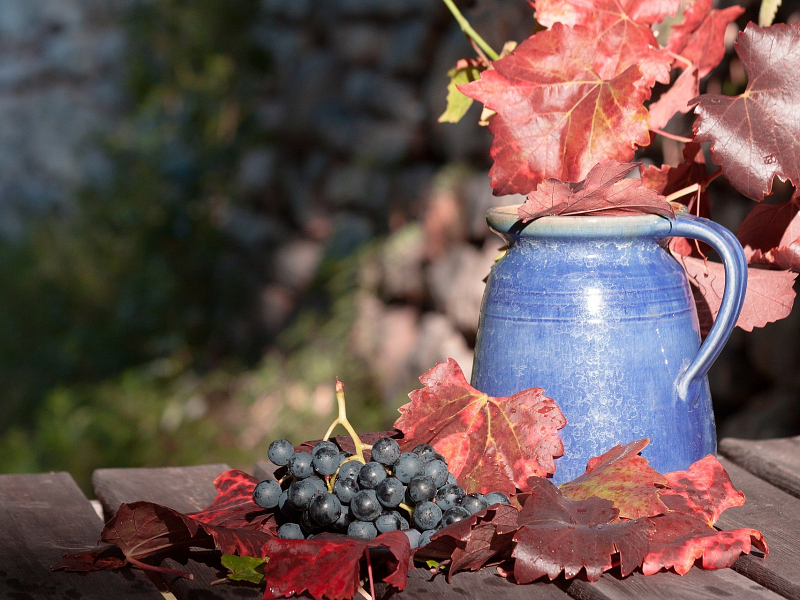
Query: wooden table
x=44 y=516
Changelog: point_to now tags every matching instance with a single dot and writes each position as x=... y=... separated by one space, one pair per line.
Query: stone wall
x=60 y=85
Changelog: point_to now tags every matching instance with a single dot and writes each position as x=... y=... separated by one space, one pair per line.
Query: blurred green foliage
x=115 y=343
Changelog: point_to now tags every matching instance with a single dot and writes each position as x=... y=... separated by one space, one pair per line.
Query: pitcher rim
x=504 y=220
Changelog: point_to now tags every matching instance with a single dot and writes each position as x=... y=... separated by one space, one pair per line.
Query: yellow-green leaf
x=458 y=103
x=244 y=568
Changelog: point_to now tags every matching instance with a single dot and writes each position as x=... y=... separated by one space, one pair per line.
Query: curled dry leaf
x=704 y=490
x=623 y=477
x=604 y=191
x=474 y=542
x=556 y=115
x=491 y=444
x=769 y=297
x=679 y=540
x=756 y=136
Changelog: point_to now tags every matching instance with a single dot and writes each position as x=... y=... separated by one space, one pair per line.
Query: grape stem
x=408 y=509
x=342 y=420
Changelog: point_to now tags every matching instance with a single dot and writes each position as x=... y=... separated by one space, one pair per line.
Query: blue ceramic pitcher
x=595 y=311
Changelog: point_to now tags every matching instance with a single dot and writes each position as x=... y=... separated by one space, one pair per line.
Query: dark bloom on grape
x=497 y=498
x=280 y=451
x=427 y=516
x=365 y=506
x=300 y=465
x=345 y=489
x=290 y=531
x=325 y=509
x=267 y=493
x=386 y=451
x=473 y=503
x=449 y=496
x=370 y=475
x=454 y=515
x=390 y=492
x=408 y=466
x=421 y=489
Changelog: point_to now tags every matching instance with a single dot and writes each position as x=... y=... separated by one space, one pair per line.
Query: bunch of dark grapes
x=329 y=490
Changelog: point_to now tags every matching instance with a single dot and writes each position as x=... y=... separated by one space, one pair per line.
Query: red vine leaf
x=142 y=529
x=769 y=296
x=621 y=30
x=329 y=565
x=490 y=443
x=676 y=99
x=105 y=557
x=770 y=233
x=560 y=535
x=700 y=37
x=756 y=136
x=679 y=540
x=234 y=506
x=604 y=191
x=625 y=478
x=474 y=542
x=556 y=116
x=704 y=490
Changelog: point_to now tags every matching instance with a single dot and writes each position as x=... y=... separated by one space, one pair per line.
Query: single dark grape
x=286 y=509
x=473 y=503
x=425 y=538
x=388 y=522
x=390 y=492
x=325 y=509
x=345 y=489
x=413 y=537
x=267 y=493
x=408 y=466
x=421 y=489
x=301 y=493
x=307 y=523
x=497 y=498
x=323 y=444
x=280 y=451
x=345 y=518
x=427 y=516
x=362 y=529
x=438 y=456
x=300 y=465
x=449 y=496
x=386 y=451
x=424 y=451
x=325 y=460
x=319 y=483
x=437 y=470
x=290 y=531
x=370 y=475
x=350 y=469
x=454 y=515
x=365 y=506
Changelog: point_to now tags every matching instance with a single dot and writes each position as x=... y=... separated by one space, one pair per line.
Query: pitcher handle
x=735 y=264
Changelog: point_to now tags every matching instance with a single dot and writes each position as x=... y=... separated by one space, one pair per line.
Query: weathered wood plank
x=776 y=461
x=477 y=585
x=185 y=489
x=43 y=517
x=697 y=584
x=777 y=515
x=264 y=470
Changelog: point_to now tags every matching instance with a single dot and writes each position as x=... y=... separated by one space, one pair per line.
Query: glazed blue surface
x=596 y=312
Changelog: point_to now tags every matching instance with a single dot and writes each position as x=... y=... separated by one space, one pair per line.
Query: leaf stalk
x=469 y=31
